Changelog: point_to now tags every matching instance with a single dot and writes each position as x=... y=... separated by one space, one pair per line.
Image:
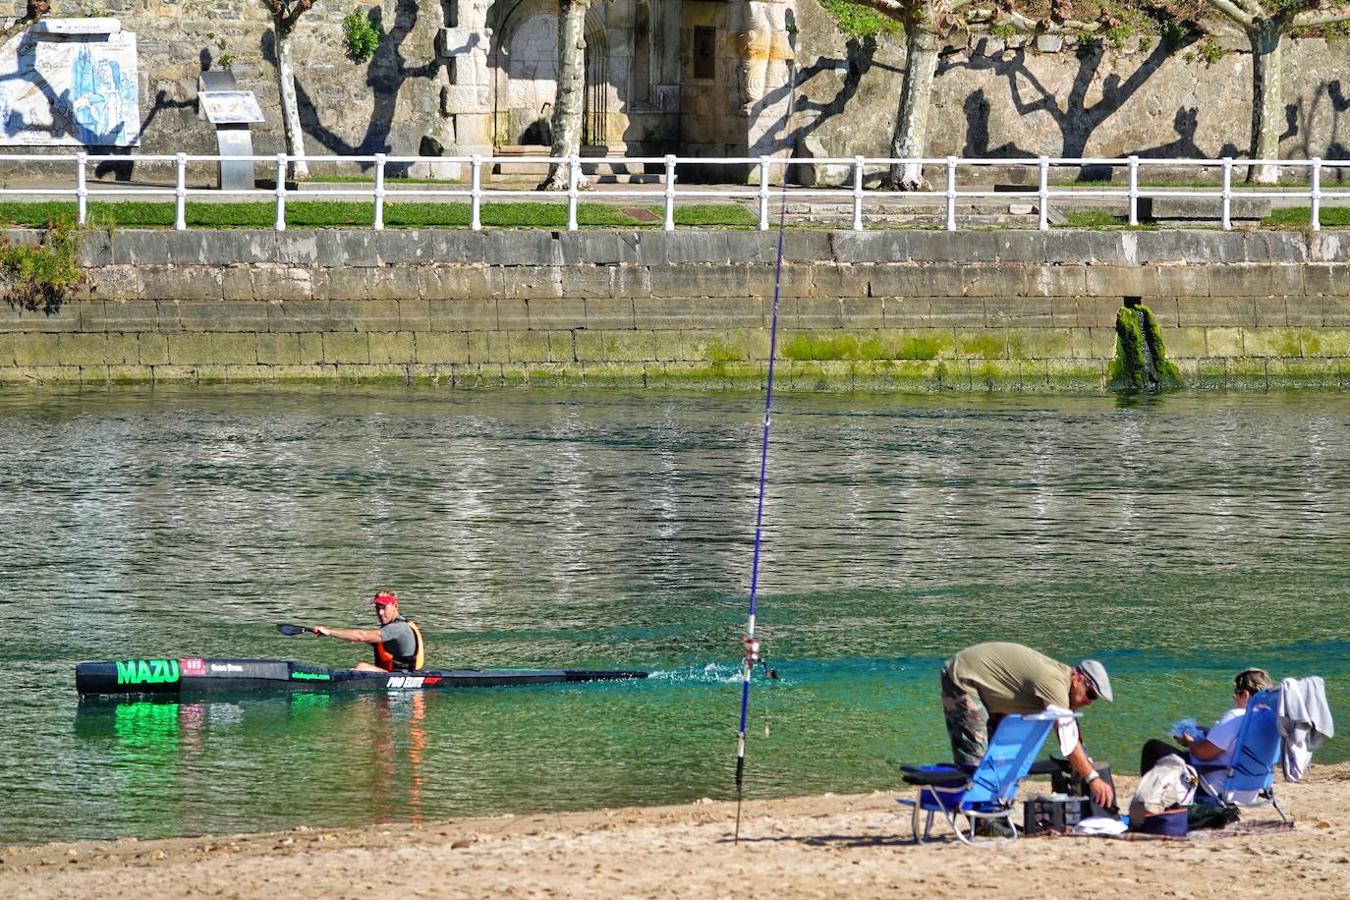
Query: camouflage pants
x=968 y=721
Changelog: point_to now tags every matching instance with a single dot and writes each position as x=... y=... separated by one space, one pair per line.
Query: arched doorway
x=524 y=62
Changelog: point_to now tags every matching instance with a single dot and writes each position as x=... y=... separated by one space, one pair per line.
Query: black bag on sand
x=1211 y=815
x=1065 y=781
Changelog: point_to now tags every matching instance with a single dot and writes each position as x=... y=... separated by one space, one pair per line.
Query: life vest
x=387 y=661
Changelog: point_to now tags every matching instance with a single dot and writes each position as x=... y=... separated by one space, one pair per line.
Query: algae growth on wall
x=1141 y=363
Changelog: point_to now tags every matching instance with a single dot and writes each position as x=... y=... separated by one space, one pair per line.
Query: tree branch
x=1238 y=13
x=35 y=11
x=1322 y=17
x=1024 y=24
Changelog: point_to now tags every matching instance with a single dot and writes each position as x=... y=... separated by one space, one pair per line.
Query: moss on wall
x=40 y=276
x=1141 y=363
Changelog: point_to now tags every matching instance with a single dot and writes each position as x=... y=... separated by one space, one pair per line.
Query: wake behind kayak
x=190 y=675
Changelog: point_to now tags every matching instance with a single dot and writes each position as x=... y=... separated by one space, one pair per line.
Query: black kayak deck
x=170 y=676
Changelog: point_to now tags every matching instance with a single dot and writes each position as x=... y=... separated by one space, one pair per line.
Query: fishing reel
x=752 y=658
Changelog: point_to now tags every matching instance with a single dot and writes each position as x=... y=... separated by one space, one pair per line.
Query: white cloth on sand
x=1100 y=825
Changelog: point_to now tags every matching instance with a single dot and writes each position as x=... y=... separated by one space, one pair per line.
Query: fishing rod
x=749 y=643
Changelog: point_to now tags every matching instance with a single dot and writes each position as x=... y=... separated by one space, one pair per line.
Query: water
x=1178 y=539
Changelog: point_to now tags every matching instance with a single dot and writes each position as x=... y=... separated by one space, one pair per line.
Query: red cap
x=384 y=598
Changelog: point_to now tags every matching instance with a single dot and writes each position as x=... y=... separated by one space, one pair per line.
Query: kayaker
x=983 y=683
x=397 y=642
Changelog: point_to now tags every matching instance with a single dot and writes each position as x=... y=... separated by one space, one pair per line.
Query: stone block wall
x=430 y=85
x=1010 y=310
x=1047 y=95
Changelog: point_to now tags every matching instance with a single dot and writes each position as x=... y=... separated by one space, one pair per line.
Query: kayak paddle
x=290 y=630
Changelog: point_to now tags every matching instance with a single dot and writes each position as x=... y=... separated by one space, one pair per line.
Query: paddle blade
x=290 y=630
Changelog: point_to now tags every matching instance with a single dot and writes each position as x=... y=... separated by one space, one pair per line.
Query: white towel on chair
x=1304 y=720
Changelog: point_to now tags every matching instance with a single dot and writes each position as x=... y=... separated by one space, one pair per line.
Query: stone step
x=596 y=162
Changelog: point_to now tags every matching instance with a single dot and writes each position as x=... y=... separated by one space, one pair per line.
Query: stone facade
x=701 y=78
x=1009 y=310
x=1025 y=99
x=458 y=77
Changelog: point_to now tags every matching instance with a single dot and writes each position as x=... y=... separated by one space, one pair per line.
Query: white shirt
x=1224 y=736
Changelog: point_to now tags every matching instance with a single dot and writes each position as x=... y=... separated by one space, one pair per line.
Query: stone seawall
x=1001 y=310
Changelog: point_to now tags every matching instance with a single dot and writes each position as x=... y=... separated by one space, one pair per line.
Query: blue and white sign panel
x=60 y=89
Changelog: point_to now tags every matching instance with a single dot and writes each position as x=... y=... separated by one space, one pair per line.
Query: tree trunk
x=1267 y=99
x=916 y=100
x=571 y=98
x=290 y=106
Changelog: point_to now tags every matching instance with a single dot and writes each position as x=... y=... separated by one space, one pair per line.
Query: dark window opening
x=642 y=54
x=705 y=52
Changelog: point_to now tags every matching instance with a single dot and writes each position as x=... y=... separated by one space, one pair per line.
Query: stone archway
x=523 y=59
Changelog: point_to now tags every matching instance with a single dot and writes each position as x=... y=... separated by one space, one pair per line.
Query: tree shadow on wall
x=1336 y=147
x=386 y=74
x=123 y=170
x=1076 y=118
x=65 y=106
x=1304 y=113
x=858 y=60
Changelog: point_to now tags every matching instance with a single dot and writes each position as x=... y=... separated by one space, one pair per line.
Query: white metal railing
x=1044 y=193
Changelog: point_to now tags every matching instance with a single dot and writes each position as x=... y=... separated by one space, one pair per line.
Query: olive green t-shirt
x=1011 y=678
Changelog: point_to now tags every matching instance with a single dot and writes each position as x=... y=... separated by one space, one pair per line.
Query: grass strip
x=1301 y=216
x=360 y=214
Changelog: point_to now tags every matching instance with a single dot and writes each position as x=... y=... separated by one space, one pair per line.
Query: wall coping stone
x=364 y=248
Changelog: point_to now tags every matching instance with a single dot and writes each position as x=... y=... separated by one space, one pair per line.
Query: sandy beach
x=824 y=846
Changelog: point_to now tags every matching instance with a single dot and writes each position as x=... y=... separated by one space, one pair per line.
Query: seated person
x=1214 y=747
x=397 y=642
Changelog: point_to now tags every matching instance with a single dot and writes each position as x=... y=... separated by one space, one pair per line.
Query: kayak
x=195 y=675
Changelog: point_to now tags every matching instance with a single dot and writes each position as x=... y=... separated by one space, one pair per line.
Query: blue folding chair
x=1256 y=752
x=989 y=791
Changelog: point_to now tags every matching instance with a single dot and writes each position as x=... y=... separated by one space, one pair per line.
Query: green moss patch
x=1141 y=363
x=858 y=21
x=39 y=276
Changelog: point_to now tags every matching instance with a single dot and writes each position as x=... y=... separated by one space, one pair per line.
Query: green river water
x=1178 y=539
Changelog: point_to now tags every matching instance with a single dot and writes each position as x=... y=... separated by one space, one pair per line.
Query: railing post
x=1134 y=190
x=857 y=193
x=81 y=188
x=669 y=224
x=951 y=193
x=475 y=193
x=1315 y=193
x=1226 y=214
x=281 y=192
x=573 y=176
x=180 y=193
x=763 y=193
x=1043 y=192
x=379 y=192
